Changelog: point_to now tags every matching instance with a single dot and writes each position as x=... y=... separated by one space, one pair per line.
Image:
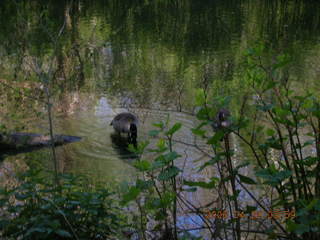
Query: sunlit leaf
x=208 y=185
x=270 y=132
x=142 y=165
x=174 y=128
x=200 y=97
x=161 y=144
x=159 y=125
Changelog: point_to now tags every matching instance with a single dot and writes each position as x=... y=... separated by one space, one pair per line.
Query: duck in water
x=222 y=119
x=126 y=123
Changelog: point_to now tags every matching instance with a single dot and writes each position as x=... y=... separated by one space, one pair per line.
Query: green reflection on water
x=143 y=54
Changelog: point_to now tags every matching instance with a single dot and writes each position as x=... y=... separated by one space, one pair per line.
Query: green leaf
x=207 y=185
x=244 y=164
x=265 y=107
x=250 y=209
x=143 y=145
x=158 y=125
x=216 y=138
x=169 y=157
x=202 y=114
x=302 y=228
x=274 y=143
x=63 y=233
x=140 y=148
x=270 y=85
x=131 y=148
x=307 y=143
x=158 y=163
x=211 y=162
x=270 y=132
x=174 y=128
x=131 y=195
x=143 y=185
x=282 y=175
x=312 y=204
x=284 y=120
x=142 y=165
x=153 y=203
x=282 y=60
x=307 y=104
x=246 y=180
x=160 y=216
x=308 y=161
x=154 y=133
x=168 y=173
x=167 y=199
x=161 y=144
x=198 y=132
x=273 y=176
x=200 y=97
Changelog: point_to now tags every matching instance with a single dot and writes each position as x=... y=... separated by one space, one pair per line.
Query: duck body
x=222 y=119
x=126 y=123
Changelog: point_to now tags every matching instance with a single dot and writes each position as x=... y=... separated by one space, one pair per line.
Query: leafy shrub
x=38 y=209
x=156 y=191
x=278 y=130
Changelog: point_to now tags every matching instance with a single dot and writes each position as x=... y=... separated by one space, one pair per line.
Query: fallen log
x=19 y=141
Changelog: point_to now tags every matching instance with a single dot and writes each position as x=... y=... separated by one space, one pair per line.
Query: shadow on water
x=12 y=152
x=28 y=142
x=120 y=144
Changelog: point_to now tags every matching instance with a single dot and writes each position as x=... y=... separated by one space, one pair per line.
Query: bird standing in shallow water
x=126 y=123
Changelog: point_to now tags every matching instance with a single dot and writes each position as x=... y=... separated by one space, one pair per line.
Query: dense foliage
x=39 y=209
x=279 y=130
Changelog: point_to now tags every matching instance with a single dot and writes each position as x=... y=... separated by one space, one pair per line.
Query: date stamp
x=275 y=214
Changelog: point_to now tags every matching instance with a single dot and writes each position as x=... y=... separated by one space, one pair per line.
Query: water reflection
x=120 y=145
x=145 y=55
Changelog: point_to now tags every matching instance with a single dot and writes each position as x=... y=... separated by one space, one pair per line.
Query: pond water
x=147 y=57
x=102 y=152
